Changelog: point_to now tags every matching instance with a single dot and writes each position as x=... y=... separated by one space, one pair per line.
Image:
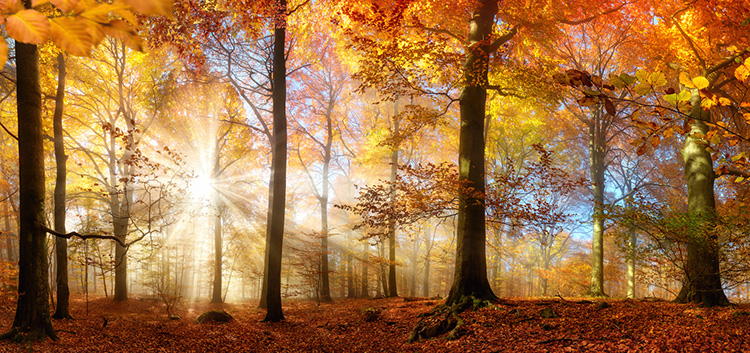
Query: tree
x=389 y=65
x=277 y=193
x=62 y=310
x=29 y=28
x=323 y=86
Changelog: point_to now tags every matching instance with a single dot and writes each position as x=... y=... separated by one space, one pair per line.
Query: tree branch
x=84 y=237
x=590 y=18
x=499 y=41
x=440 y=31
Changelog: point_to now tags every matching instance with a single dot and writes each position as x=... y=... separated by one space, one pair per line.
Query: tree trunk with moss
x=703 y=275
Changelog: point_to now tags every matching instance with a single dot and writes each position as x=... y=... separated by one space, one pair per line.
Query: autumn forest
x=369 y=175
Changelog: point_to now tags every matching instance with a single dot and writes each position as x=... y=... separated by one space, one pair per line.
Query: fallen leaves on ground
x=382 y=325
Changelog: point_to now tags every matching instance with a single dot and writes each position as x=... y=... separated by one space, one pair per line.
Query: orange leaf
x=28 y=26
x=71 y=35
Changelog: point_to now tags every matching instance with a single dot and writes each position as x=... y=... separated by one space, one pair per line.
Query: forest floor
x=382 y=325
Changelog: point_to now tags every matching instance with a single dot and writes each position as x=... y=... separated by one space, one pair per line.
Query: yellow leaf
x=11 y=6
x=658 y=79
x=96 y=32
x=3 y=52
x=668 y=132
x=152 y=7
x=715 y=139
x=71 y=35
x=723 y=101
x=700 y=82
x=642 y=89
x=100 y=13
x=28 y=26
x=739 y=179
x=65 y=5
x=121 y=30
x=685 y=80
x=742 y=72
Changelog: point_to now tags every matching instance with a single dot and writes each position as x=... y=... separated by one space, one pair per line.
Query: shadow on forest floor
x=382 y=325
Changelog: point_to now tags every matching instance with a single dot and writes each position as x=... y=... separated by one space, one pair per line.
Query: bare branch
x=84 y=237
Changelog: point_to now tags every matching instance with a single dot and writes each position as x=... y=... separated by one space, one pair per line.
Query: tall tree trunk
x=426 y=282
x=62 y=310
x=365 y=254
x=470 y=275
x=263 y=303
x=325 y=288
x=275 y=236
x=632 y=238
x=218 y=253
x=218 y=244
x=124 y=201
x=392 y=292
x=596 y=161
x=703 y=284
x=32 y=320
x=9 y=243
x=350 y=293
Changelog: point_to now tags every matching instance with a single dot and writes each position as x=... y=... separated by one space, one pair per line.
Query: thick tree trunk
x=121 y=261
x=32 y=320
x=62 y=310
x=275 y=236
x=596 y=161
x=470 y=276
x=703 y=276
x=263 y=303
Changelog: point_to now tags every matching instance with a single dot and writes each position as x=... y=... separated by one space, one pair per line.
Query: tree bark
x=218 y=252
x=32 y=320
x=426 y=282
x=392 y=290
x=597 y=153
x=365 y=254
x=325 y=288
x=703 y=276
x=122 y=203
x=470 y=276
x=218 y=243
x=275 y=236
x=62 y=310
x=350 y=293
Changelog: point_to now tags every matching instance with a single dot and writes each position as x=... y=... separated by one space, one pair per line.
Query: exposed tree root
x=29 y=335
x=445 y=319
x=60 y=316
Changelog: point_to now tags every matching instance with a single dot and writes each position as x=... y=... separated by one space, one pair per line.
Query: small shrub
x=371 y=314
